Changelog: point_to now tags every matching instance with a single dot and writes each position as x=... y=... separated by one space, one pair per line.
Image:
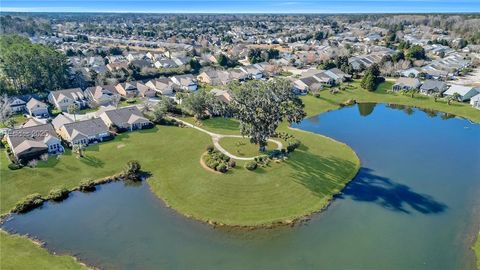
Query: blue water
x=244 y=6
x=413 y=205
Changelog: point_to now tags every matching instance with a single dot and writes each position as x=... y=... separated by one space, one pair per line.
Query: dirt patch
x=205 y=165
x=120 y=146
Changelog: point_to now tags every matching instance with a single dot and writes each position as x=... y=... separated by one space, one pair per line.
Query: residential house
x=61 y=99
x=162 y=85
x=252 y=72
x=337 y=75
x=59 y=121
x=144 y=90
x=102 y=95
x=214 y=77
x=185 y=82
x=37 y=108
x=17 y=105
x=222 y=95
x=31 y=142
x=128 y=118
x=117 y=66
x=165 y=63
x=465 y=92
x=85 y=132
x=406 y=84
x=475 y=101
x=127 y=89
x=430 y=87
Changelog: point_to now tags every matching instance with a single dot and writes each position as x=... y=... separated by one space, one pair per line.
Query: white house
x=64 y=98
x=37 y=108
x=465 y=92
x=475 y=101
x=185 y=82
x=16 y=105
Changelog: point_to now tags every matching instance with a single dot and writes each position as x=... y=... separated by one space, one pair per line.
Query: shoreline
x=281 y=223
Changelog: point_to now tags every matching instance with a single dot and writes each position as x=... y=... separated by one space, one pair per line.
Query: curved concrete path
x=217 y=137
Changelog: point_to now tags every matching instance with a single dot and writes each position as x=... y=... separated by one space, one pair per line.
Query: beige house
x=128 y=118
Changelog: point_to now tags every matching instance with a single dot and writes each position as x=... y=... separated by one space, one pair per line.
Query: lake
x=414 y=205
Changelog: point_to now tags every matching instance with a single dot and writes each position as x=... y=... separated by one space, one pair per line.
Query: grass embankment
x=18 y=252
x=476 y=249
x=328 y=101
x=17 y=118
x=242 y=147
x=285 y=191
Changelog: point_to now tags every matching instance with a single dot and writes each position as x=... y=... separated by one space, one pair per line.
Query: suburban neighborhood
x=249 y=141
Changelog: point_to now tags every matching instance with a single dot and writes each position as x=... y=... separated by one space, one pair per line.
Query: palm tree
x=455 y=96
x=436 y=96
x=73 y=109
x=78 y=148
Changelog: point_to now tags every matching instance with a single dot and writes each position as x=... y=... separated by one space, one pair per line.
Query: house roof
x=97 y=92
x=85 y=128
x=72 y=93
x=460 y=89
x=410 y=82
x=60 y=120
x=27 y=138
x=34 y=102
x=126 y=115
x=432 y=85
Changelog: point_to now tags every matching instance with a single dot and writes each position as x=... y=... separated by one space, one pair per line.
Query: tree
x=131 y=170
x=5 y=110
x=159 y=112
x=416 y=52
x=195 y=65
x=261 y=106
x=78 y=149
x=454 y=97
x=196 y=104
x=368 y=82
x=73 y=109
x=25 y=66
x=371 y=78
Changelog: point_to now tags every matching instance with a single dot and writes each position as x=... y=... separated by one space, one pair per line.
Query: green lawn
x=18 y=118
x=19 y=252
x=282 y=191
x=242 y=147
x=476 y=249
x=328 y=101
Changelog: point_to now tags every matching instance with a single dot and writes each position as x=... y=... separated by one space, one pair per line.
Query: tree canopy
x=28 y=67
x=261 y=106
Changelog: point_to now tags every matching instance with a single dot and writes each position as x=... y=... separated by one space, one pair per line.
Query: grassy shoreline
x=41 y=177
x=476 y=250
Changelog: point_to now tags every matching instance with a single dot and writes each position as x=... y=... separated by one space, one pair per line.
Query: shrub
x=131 y=170
x=32 y=163
x=232 y=163
x=58 y=194
x=293 y=144
x=28 y=203
x=44 y=157
x=251 y=165
x=222 y=168
x=210 y=148
x=15 y=166
x=87 y=186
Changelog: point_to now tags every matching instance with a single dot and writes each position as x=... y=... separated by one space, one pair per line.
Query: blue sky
x=243 y=6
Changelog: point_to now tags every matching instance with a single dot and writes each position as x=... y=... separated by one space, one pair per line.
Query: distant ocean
x=244 y=6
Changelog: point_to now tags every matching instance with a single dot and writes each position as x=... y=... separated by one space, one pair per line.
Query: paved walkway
x=217 y=137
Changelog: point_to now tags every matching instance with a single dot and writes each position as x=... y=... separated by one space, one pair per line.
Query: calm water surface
x=412 y=206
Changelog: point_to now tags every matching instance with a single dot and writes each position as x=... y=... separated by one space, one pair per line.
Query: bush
x=131 y=170
x=210 y=148
x=251 y=165
x=15 y=166
x=222 y=168
x=232 y=163
x=30 y=202
x=58 y=194
x=293 y=144
x=87 y=186
x=32 y=163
